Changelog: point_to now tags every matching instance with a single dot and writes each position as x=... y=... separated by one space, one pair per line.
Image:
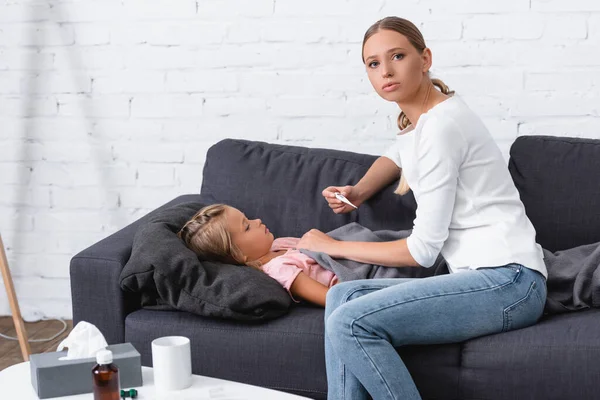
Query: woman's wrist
x=336 y=249
x=362 y=194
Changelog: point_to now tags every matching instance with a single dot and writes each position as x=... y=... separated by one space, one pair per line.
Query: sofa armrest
x=95 y=291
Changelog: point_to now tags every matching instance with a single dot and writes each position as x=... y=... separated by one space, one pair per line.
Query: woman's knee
x=343 y=292
x=336 y=295
x=339 y=322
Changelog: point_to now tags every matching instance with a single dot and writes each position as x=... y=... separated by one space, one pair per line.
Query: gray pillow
x=166 y=273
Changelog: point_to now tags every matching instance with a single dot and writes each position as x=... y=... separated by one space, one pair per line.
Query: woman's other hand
x=338 y=206
x=315 y=240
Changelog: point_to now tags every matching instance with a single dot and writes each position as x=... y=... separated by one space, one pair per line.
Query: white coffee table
x=15 y=383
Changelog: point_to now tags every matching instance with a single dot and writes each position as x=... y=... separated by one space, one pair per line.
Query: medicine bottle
x=106 y=377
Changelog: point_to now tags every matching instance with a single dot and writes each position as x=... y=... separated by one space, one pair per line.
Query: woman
x=467 y=208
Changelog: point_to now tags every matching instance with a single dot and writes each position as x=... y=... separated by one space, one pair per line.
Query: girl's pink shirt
x=286 y=267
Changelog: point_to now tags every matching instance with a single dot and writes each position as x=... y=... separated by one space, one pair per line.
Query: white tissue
x=84 y=341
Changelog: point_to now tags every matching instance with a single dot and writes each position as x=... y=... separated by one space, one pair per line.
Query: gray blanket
x=573 y=278
x=573 y=274
x=348 y=270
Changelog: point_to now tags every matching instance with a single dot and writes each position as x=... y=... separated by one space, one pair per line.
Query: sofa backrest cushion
x=282 y=185
x=558 y=179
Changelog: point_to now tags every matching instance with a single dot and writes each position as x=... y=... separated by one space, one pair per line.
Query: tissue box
x=52 y=377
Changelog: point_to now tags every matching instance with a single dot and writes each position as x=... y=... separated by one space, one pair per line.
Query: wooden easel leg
x=14 y=304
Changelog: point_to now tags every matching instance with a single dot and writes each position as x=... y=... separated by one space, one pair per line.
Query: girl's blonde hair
x=206 y=234
x=414 y=36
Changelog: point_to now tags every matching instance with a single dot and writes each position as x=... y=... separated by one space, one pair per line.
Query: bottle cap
x=129 y=393
x=104 y=357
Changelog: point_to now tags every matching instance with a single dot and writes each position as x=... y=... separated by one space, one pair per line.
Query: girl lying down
x=222 y=233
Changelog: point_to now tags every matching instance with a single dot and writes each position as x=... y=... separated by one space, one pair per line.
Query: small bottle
x=106 y=377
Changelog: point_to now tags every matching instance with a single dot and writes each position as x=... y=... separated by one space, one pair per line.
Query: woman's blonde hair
x=414 y=36
x=207 y=235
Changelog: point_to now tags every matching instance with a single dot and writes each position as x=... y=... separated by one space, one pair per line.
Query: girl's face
x=250 y=236
x=394 y=66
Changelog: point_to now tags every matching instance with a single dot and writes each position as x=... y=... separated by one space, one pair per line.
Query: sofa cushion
x=284 y=354
x=282 y=185
x=166 y=273
x=559 y=183
x=554 y=359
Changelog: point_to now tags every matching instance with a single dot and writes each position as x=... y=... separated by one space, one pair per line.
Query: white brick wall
x=107 y=107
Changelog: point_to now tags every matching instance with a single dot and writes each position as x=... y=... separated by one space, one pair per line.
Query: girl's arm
x=383 y=172
x=308 y=289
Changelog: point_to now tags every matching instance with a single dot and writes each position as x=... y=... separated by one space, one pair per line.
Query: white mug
x=172 y=363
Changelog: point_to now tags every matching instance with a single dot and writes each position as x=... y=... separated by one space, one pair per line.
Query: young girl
x=223 y=233
x=468 y=208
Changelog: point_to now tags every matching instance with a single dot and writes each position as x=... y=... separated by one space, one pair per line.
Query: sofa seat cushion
x=558 y=358
x=284 y=354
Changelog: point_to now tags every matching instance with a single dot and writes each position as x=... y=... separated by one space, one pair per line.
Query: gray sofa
x=559 y=358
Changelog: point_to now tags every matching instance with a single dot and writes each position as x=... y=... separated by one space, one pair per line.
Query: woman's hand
x=315 y=240
x=338 y=206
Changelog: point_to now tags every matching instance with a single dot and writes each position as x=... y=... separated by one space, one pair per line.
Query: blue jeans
x=366 y=319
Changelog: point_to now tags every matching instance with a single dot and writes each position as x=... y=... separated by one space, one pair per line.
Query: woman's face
x=250 y=236
x=395 y=68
